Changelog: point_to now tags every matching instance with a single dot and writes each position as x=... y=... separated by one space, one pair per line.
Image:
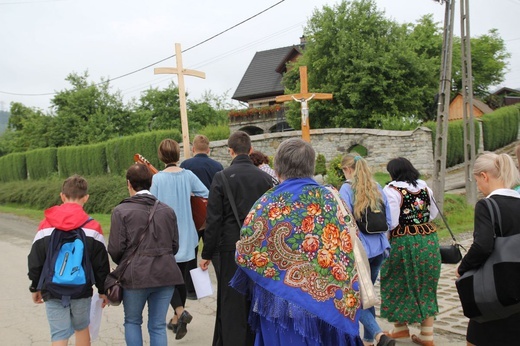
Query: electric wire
x=159 y=61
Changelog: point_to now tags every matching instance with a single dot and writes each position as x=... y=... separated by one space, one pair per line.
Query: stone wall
x=382 y=145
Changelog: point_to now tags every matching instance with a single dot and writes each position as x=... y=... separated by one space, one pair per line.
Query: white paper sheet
x=201 y=282
x=96 y=311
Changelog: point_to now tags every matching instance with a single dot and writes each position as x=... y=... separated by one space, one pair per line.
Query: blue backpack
x=67 y=272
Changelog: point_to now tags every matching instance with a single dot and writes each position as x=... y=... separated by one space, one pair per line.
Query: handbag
x=366 y=287
x=492 y=291
x=113 y=287
x=450 y=254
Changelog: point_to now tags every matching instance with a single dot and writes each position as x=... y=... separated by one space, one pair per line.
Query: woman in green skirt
x=409 y=277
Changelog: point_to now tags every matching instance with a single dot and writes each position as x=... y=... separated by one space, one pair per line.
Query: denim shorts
x=64 y=321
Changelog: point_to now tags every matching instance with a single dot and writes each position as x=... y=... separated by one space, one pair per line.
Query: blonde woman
x=494 y=175
x=361 y=192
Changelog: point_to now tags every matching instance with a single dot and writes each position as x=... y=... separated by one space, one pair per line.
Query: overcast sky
x=42 y=41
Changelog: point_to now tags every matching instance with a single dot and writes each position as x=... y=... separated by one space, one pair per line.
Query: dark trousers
x=231 y=327
x=179 y=295
x=190 y=289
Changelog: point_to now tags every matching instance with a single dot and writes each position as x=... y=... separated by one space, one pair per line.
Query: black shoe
x=191 y=296
x=385 y=340
x=172 y=327
x=184 y=319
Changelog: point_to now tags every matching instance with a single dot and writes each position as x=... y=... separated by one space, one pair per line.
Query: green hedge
x=42 y=163
x=500 y=127
x=455 y=148
x=120 y=152
x=14 y=167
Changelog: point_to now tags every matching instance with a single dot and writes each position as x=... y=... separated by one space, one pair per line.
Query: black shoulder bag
x=492 y=292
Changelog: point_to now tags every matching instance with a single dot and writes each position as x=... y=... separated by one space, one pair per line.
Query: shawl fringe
x=287 y=315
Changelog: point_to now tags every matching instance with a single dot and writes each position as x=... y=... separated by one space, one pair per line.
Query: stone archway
x=358 y=148
x=252 y=130
x=280 y=127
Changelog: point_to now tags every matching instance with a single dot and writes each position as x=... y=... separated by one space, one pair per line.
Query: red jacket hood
x=66 y=217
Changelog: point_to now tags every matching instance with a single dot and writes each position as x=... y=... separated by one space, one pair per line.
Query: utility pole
x=467 y=92
x=443 y=106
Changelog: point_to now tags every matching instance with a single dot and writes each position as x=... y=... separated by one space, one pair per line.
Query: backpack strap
x=134 y=251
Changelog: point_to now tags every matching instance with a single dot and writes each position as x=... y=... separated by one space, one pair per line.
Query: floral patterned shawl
x=296 y=253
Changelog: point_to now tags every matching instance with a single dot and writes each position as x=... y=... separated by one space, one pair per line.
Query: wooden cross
x=180 y=72
x=303 y=97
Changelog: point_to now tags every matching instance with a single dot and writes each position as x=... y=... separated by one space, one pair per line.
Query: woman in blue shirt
x=360 y=192
x=174 y=186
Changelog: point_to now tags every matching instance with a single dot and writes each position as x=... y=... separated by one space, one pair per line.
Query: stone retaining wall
x=382 y=145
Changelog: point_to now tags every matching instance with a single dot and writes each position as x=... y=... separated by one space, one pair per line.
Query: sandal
x=398 y=332
x=417 y=340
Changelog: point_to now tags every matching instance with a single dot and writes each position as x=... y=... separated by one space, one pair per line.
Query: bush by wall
x=215 y=133
x=321 y=163
x=500 y=127
x=41 y=163
x=13 y=167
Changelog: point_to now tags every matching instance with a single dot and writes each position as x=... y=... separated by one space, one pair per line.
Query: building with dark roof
x=262 y=81
x=259 y=86
x=507 y=96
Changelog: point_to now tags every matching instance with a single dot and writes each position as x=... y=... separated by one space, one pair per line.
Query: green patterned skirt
x=409 y=278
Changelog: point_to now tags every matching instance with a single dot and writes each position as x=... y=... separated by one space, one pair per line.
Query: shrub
x=335 y=175
x=320 y=167
x=215 y=133
x=105 y=193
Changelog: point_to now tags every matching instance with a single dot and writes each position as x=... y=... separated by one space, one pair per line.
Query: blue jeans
x=368 y=317
x=158 y=299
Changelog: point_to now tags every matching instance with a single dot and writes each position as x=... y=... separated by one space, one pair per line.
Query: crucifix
x=303 y=97
x=180 y=72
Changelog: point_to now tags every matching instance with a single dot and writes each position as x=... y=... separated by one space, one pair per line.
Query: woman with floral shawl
x=295 y=259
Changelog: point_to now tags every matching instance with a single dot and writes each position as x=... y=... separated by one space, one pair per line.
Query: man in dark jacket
x=152 y=273
x=246 y=184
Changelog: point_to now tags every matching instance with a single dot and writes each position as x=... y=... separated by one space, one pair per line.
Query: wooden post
x=303 y=97
x=180 y=72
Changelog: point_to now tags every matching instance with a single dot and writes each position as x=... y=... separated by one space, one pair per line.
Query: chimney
x=303 y=41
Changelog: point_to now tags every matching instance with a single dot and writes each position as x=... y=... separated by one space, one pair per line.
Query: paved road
x=24 y=323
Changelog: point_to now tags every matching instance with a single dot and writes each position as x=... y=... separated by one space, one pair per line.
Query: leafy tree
x=27 y=129
x=160 y=108
x=378 y=69
x=488 y=62
x=90 y=113
x=364 y=59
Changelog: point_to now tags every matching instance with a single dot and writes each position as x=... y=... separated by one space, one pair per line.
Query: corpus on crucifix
x=180 y=72
x=304 y=97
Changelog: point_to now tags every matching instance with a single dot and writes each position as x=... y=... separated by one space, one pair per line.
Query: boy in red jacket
x=74 y=318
